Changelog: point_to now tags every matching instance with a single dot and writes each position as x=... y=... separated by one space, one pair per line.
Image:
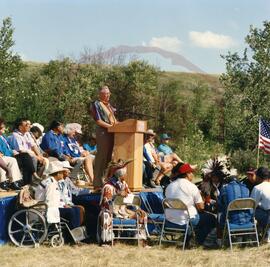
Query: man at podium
x=103 y=114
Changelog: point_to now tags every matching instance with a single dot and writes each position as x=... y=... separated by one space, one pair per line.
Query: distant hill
x=185 y=79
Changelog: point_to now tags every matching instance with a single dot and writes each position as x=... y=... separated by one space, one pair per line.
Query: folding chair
x=126 y=228
x=173 y=229
x=153 y=217
x=238 y=230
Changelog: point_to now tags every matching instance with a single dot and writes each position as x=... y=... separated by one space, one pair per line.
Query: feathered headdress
x=219 y=166
x=115 y=165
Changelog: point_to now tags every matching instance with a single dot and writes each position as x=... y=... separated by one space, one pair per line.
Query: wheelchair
x=28 y=227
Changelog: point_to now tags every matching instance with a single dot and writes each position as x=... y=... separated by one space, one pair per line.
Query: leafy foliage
x=10 y=67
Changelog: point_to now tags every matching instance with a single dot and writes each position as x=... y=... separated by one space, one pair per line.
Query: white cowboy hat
x=55 y=166
x=66 y=165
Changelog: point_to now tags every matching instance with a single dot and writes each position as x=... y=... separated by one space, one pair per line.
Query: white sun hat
x=55 y=166
x=66 y=165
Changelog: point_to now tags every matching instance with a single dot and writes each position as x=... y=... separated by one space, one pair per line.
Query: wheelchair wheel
x=57 y=240
x=27 y=228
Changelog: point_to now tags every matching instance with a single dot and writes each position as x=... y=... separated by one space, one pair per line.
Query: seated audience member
x=151 y=155
x=230 y=191
x=166 y=180
x=67 y=189
x=48 y=191
x=75 y=156
x=215 y=172
x=148 y=171
x=92 y=145
x=250 y=181
x=52 y=142
x=261 y=194
x=10 y=175
x=22 y=141
x=166 y=150
x=24 y=160
x=116 y=185
x=37 y=133
x=182 y=188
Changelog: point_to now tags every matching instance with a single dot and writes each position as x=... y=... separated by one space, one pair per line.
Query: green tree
x=10 y=68
x=247 y=90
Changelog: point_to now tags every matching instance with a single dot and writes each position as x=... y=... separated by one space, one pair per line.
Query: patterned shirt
x=99 y=113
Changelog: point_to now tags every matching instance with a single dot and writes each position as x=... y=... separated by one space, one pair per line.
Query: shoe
x=4 y=185
x=151 y=184
x=15 y=186
x=20 y=183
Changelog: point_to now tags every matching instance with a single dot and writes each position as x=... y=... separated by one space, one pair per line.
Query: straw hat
x=150 y=132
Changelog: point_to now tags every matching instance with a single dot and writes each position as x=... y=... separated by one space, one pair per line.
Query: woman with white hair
x=76 y=156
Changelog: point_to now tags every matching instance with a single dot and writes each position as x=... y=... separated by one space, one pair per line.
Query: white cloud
x=210 y=39
x=167 y=43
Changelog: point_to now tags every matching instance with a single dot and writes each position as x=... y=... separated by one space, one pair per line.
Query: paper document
x=128 y=199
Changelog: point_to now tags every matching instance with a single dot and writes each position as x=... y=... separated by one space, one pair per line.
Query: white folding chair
x=172 y=229
x=241 y=230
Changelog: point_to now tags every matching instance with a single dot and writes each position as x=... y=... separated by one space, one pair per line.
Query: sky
x=199 y=30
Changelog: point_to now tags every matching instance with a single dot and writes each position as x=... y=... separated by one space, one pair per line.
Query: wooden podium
x=128 y=144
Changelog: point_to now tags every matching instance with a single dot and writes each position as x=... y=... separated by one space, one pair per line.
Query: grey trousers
x=105 y=142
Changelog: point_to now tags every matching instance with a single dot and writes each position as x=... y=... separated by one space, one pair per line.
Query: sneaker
x=15 y=186
x=4 y=185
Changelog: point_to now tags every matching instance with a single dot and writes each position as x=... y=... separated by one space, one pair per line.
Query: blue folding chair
x=152 y=204
x=126 y=228
x=241 y=230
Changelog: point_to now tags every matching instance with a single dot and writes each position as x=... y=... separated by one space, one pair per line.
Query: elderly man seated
x=182 y=188
x=75 y=155
x=68 y=189
x=48 y=191
x=261 y=194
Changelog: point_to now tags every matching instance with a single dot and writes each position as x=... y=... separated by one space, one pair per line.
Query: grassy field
x=129 y=255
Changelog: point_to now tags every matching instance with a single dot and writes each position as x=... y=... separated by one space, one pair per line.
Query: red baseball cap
x=185 y=168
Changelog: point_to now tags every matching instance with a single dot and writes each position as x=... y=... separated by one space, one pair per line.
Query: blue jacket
x=228 y=193
x=5 y=148
x=53 y=144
